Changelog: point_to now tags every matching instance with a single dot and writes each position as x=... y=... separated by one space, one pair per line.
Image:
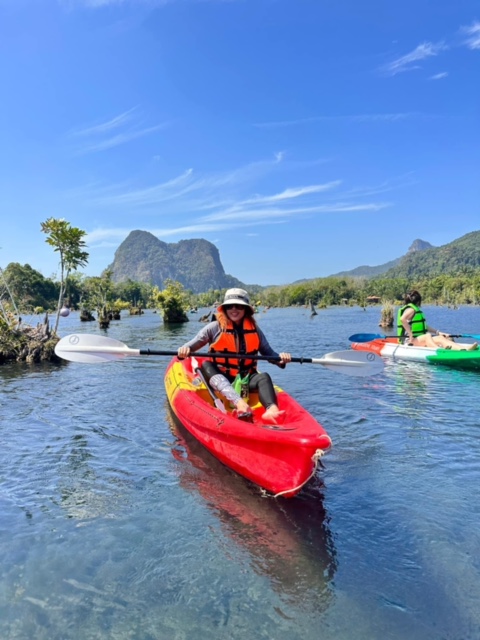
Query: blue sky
x=302 y=137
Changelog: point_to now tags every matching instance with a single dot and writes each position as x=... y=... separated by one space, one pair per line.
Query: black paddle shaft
x=237 y=356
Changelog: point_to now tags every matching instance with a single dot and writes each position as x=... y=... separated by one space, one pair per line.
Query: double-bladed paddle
x=366 y=337
x=83 y=347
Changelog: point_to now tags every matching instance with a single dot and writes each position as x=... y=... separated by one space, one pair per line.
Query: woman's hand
x=183 y=352
x=285 y=358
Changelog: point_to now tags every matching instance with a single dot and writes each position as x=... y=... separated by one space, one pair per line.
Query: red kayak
x=279 y=458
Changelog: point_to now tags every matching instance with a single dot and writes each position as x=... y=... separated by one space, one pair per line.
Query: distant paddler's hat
x=236 y=296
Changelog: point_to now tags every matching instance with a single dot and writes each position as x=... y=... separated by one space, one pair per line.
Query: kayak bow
x=390 y=348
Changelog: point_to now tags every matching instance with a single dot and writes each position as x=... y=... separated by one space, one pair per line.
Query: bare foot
x=472 y=347
x=273 y=415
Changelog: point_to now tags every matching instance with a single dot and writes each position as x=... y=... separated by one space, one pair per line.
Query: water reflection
x=288 y=541
x=18 y=370
x=77 y=480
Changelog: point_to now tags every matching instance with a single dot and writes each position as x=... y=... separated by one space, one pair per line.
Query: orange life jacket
x=228 y=341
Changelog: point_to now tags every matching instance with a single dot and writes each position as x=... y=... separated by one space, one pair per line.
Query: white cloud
x=99 y=4
x=409 y=61
x=362 y=117
x=297 y=192
x=215 y=202
x=439 y=76
x=152 y=195
x=235 y=218
x=114 y=132
x=473 y=33
x=104 y=127
x=122 y=138
x=189 y=191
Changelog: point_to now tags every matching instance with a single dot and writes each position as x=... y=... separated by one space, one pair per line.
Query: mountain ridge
x=460 y=255
x=366 y=271
x=195 y=263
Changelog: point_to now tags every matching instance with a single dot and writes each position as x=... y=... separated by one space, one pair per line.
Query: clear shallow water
x=115 y=524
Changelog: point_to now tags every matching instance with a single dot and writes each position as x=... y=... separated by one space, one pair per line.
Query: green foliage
x=29 y=288
x=460 y=257
x=98 y=292
x=137 y=294
x=69 y=243
x=120 y=305
x=209 y=298
x=74 y=288
x=172 y=301
x=445 y=289
x=322 y=292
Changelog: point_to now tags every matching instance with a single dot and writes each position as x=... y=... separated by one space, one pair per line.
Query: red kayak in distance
x=279 y=458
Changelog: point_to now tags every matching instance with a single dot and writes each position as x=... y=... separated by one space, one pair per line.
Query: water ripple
x=116 y=523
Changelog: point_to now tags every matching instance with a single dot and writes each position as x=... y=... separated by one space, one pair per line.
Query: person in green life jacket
x=235 y=331
x=412 y=327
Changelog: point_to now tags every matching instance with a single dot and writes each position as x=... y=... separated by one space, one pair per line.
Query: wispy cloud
x=211 y=203
x=99 y=4
x=439 y=76
x=152 y=195
x=361 y=117
x=403 y=181
x=190 y=190
x=410 y=61
x=105 y=127
x=114 y=132
x=296 y=192
x=473 y=33
x=266 y=213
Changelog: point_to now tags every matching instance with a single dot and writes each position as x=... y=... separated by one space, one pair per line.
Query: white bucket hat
x=236 y=296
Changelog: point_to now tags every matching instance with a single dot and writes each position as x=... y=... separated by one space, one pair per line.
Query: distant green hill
x=423 y=260
x=196 y=264
x=366 y=271
x=456 y=257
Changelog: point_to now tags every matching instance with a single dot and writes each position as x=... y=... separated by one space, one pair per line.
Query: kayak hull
x=390 y=348
x=279 y=458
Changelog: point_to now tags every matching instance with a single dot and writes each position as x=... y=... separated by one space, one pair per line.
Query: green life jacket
x=417 y=323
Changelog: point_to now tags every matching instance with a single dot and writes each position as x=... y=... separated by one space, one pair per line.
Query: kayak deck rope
x=315 y=458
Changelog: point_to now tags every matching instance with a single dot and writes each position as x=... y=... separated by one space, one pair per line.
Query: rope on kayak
x=315 y=458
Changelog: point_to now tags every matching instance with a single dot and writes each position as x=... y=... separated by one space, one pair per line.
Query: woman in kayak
x=412 y=327
x=235 y=331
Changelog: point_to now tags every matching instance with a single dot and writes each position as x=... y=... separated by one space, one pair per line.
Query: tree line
x=35 y=293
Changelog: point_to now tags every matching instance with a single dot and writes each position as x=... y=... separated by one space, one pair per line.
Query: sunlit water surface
x=115 y=524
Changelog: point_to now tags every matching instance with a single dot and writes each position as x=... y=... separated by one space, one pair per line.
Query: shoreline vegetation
x=21 y=342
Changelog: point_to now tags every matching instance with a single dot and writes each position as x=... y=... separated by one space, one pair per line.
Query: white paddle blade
x=91 y=349
x=352 y=363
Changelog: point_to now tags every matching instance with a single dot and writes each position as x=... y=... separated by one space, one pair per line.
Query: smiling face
x=235 y=312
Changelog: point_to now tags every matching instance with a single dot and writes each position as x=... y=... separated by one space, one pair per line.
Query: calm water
x=115 y=524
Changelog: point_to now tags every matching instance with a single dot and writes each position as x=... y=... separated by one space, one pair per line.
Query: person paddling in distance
x=235 y=331
x=412 y=327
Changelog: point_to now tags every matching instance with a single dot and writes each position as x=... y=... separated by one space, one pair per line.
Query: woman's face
x=235 y=312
